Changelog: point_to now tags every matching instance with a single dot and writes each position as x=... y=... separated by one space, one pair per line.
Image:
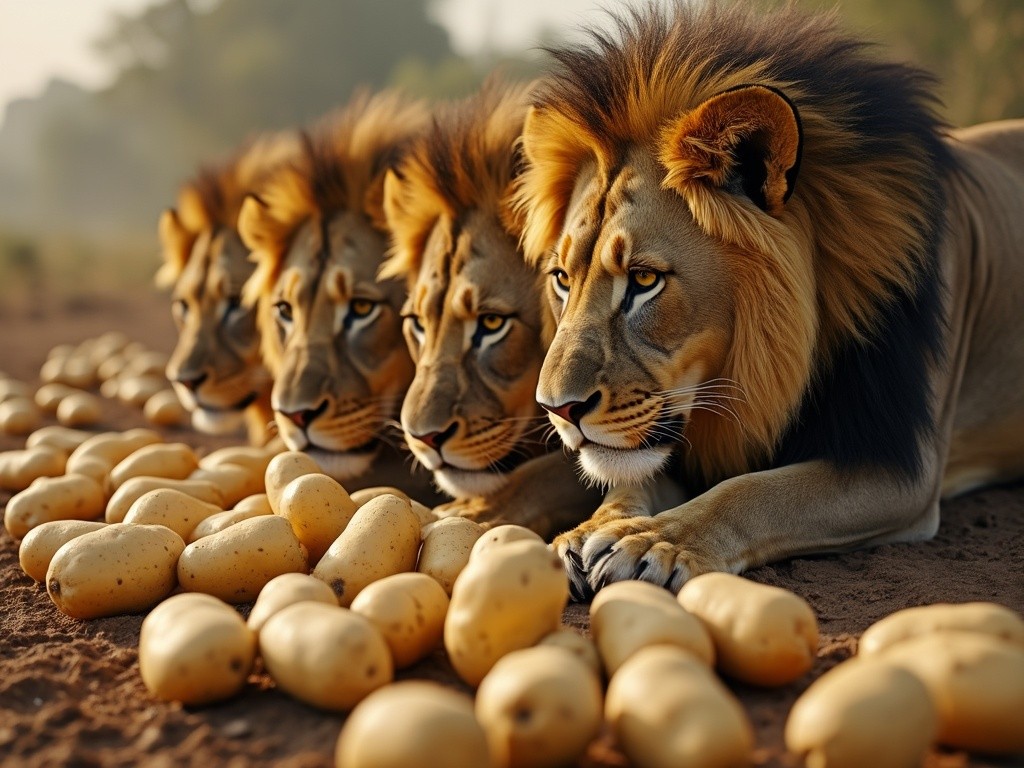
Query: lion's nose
x=192 y=383
x=574 y=410
x=436 y=439
x=303 y=418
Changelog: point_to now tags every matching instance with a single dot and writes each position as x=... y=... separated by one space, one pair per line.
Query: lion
x=475 y=321
x=787 y=296
x=331 y=331
x=215 y=368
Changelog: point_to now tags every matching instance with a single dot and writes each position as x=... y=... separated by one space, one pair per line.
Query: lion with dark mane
x=788 y=298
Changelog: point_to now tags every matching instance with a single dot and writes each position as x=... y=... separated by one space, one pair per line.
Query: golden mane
x=858 y=235
x=466 y=161
x=341 y=168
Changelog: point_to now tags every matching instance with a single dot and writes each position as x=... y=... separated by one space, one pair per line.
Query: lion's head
x=738 y=214
x=474 y=318
x=331 y=331
x=215 y=367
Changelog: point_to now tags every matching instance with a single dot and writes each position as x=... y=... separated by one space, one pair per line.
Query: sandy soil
x=70 y=693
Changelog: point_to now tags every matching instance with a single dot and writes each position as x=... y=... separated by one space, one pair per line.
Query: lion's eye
x=283 y=311
x=561 y=279
x=492 y=323
x=416 y=324
x=179 y=309
x=361 y=307
x=231 y=305
x=643 y=279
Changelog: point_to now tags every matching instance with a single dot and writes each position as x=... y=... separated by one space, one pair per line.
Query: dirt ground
x=70 y=692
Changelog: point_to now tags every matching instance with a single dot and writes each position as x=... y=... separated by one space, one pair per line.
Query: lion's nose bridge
x=433 y=400
x=304 y=379
x=190 y=361
x=572 y=367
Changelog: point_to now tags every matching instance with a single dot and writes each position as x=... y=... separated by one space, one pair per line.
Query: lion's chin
x=340 y=465
x=614 y=467
x=461 y=483
x=217 y=422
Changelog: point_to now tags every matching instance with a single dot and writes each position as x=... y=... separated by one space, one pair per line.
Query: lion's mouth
x=241 y=405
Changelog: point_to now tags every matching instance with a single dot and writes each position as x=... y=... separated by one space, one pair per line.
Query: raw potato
x=446 y=547
x=318 y=508
x=503 y=602
x=409 y=611
x=288 y=589
x=580 y=646
x=284 y=468
x=131 y=490
x=111 y=447
x=136 y=390
x=254 y=459
x=116 y=569
x=71 y=497
x=629 y=615
x=990 y=618
x=237 y=563
x=169 y=507
x=258 y=504
x=58 y=437
x=763 y=635
x=436 y=722
x=42 y=542
x=218 y=522
x=977 y=684
x=164 y=409
x=324 y=655
x=18 y=416
x=79 y=409
x=12 y=388
x=863 y=713
x=172 y=460
x=667 y=709
x=381 y=539
x=363 y=495
x=423 y=512
x=48 y=396
x=501 y=535
x=19 y=468
x=540 y=708
x=195 y=649
x=235 y=482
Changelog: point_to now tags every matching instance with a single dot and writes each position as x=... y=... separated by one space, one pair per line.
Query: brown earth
x=70 y=692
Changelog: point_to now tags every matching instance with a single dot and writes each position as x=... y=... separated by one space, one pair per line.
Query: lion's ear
x=257 y=228
x=175 y=245
x=393 y=193
x=747 y=140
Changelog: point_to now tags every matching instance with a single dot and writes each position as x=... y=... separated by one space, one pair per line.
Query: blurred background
x=106 y=106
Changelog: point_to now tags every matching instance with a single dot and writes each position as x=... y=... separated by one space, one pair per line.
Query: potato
x=580 y=646
x=110 y=369
x=79 y=409
x=172 y=460
x=71 y=497
x=48 y=396
x=436 y=725
x=990 y=618
x=136 y=390
x=53 y=369
x=195 y=649
x=501 y=535
x=116 y=569
x=18 y=416
x=381 y=539
x=446 y=547
x=111 y=447
x=318 y=508
x=629 y=615
x=171 y=508
x=284 y=468
x=409 y=611
x=233 y=481
x=860 y=713
x=42 y=542
x=667 y=709
x=977 y=683
x=257 y=503
x=324 y=655
x=236 y=563
x=147 y=362
x=12 y=388
x=540 y=708
x=424 y=513
x=19 y=468
x=763 y=635
x=363 y=495
x=164 y=409
x=503 y=602
x=55 y=436
x=109 y=343
x=217 y=522
x=79 y=371
x=110 y=388
x=288 y=589
x=254 y=459
x=130 y=491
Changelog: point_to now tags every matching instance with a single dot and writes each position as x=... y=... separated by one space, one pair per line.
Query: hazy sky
x=40 y=39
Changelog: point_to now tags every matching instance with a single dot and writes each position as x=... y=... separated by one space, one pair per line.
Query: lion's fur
x=837 y=294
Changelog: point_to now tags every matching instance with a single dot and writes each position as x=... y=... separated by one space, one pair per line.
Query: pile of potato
x=348 y=588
